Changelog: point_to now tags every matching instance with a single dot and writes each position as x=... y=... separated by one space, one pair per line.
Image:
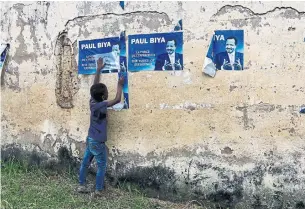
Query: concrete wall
x=234 y=139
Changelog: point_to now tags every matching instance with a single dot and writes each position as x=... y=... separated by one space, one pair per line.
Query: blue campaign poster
x=159 y=51
x=123 y=72
x=228 y=49
x=113 y=51
x=125 y=89
x=91 y=50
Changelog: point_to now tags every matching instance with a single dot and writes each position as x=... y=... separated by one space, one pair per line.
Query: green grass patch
x=32 y=187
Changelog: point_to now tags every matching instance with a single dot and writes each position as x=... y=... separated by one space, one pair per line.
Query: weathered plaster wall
x=236 y=138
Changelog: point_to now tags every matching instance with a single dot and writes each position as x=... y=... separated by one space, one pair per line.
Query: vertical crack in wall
x=66 y=77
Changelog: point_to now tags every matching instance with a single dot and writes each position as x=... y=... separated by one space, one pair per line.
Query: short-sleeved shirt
x=98 y=121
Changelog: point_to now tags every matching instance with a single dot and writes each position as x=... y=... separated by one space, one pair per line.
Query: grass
x=32 y=187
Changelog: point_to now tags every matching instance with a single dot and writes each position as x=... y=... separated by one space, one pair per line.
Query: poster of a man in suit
x=155 y=52
x=225 y=52
x=230 y=59
x=228 y=50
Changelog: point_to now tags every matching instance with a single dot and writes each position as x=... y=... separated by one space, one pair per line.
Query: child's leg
x=88 y=156
x=101 y=161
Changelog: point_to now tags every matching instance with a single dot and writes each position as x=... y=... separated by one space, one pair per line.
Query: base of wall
x=164 y=183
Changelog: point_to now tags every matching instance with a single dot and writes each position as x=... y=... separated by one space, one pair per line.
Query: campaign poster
x=226 y=52
x=113 y=52
x=107 y=48
x=123 y=72
x=158 y=51
x=229 y=49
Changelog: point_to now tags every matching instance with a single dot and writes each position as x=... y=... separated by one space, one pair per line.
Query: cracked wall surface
x=236 y=138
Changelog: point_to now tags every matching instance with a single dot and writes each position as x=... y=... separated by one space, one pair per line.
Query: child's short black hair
x=99 y=92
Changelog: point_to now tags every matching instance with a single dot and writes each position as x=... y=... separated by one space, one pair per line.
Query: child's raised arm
x=100 y=66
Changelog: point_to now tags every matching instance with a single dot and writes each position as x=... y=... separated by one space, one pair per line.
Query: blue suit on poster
x=163 y=59
x=170 y=60
x=222 y=59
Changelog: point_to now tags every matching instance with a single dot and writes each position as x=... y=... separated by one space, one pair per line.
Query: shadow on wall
x=66 y=68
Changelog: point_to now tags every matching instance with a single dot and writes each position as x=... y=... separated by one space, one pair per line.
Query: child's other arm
x=117 y=98
x=100 y=66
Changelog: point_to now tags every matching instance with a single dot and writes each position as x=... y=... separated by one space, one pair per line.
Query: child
x=97 y=134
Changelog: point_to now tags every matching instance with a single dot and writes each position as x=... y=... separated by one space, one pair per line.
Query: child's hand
x=121 y=80
x=100 y=63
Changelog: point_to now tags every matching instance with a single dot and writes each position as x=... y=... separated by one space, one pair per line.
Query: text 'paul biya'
x=155 y=40
x=95 y=45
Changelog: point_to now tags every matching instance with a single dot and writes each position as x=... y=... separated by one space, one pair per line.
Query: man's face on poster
x=230 y=46
x=116 y=49
x=170 y=47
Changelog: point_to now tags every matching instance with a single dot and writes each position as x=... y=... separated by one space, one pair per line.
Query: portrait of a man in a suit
x=170 y=60
x=230 y=59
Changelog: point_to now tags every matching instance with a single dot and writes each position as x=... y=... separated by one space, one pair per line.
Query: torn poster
x=108 y=49
x=158 y=51
x=178 y=26
x=226 y=52
x=123 y=72
x=3 y=51
x=122 y=4
x=125 y=103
